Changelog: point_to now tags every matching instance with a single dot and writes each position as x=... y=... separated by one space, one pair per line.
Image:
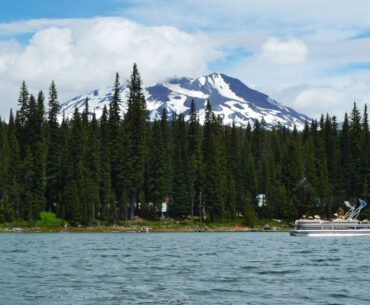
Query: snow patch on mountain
x=230 y=98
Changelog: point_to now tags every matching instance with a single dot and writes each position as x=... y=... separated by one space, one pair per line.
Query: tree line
x=89 y=170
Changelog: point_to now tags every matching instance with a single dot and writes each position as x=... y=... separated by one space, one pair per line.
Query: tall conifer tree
x=53 y=156
x=135 y=132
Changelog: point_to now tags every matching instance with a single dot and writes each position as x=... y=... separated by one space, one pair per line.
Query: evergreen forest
x=90 y=170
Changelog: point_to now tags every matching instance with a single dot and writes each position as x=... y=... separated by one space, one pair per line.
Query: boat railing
x=354 y=211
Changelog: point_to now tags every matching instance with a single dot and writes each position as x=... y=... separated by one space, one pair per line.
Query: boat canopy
x=355 y=211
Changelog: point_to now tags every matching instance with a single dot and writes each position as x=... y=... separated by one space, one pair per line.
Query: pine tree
x=250 y=216
x=27 y=196
x=3 y=157
x=93 y=169
x=214 y=180
x=267 y=183
x=158 y=169
x=22 y=117
x=105 y=190
x=75 y=205
x=234 y=153
x=135 y=132
x=65 y=170
x=6 y=209
x=195 y=155
x=53 y=156
x=167 y=143
x=248 y=183
x=181 y=192
x=34 y=123
x=14 y=169
x=323 y=204
x=116 y=145
x=346 y=157
x=307 y=190
x=356 y=136
x=292 y=170
x=365 y=156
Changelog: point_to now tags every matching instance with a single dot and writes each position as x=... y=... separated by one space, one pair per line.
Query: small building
x=164 y=207
x=261 y=200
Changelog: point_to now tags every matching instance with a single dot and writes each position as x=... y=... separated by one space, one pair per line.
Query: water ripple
x=188 y=268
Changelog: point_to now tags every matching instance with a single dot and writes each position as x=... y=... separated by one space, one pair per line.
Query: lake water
x=183 y=268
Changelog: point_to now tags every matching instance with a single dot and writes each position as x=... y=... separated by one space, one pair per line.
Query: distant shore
x=146 y=227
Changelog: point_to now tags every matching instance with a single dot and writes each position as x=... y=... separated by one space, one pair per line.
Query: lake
x=182 y=268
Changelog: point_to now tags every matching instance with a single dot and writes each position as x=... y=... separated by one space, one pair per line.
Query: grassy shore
x=140 y=225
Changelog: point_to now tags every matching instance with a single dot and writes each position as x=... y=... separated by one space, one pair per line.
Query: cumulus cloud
x=83 y=54
x=291 y=51
x=335 y=97
x=318 y=100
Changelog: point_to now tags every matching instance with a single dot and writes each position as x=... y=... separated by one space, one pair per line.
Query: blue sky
x=34 y=9
x=311 y=55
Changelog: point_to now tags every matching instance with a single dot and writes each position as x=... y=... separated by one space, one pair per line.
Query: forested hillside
x=87 y=170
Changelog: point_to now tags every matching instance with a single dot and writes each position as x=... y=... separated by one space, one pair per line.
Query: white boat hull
x=323 y=233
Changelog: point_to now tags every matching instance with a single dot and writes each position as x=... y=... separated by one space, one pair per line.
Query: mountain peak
x=230 y=98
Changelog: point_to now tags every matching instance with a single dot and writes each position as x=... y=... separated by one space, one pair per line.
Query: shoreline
x=139 y=225
x=141 y=229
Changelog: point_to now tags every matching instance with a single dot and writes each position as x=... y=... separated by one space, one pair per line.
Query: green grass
x=48 y=219
x=21 y=223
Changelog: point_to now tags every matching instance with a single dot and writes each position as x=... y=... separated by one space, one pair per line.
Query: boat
x=346 y=225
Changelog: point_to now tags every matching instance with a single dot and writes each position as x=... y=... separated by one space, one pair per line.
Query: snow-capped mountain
x=229 y=97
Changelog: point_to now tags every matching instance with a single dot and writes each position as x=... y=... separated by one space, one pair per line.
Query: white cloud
x=48 y=53
x=335 y=97
x=319 y=100
x=291 y=51
x=7 y=54
x=83 y=54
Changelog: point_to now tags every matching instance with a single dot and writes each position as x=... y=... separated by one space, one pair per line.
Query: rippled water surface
x=183 y=268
